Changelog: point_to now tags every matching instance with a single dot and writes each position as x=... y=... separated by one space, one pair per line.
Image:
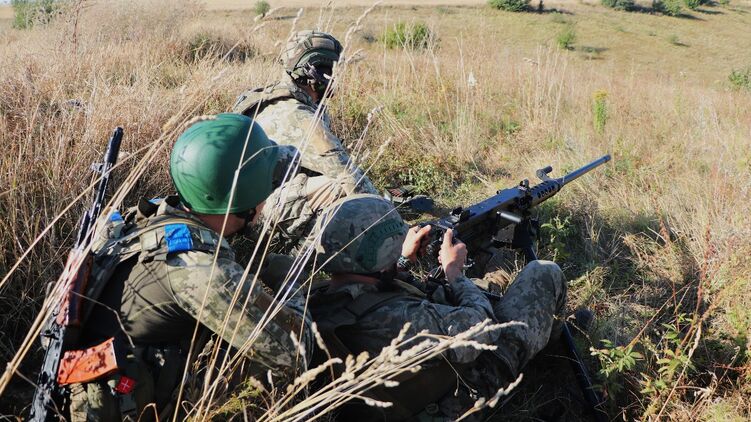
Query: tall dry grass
x=656 y=243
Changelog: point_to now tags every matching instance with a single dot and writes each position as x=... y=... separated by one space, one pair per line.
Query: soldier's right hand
x=452 y=256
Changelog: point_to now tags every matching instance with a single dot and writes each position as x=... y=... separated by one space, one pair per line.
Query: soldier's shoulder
x=202 y=267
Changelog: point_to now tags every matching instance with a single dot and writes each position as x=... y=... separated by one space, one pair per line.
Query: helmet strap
x=248 y=217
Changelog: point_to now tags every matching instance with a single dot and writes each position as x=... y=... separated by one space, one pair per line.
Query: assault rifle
x=63 y=327
x=478 y=225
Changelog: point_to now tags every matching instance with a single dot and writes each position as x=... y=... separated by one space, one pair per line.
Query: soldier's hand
x=414 y=244
x=452 y=256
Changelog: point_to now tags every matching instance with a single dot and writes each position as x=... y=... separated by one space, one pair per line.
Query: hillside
x=657 y=243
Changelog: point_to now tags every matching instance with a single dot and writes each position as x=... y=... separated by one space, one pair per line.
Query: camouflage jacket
x=160 y=297
x=468 y=306
x=288 y=116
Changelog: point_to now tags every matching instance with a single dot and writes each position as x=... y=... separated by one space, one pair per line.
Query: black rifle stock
x=477 y=226
x=61 y=329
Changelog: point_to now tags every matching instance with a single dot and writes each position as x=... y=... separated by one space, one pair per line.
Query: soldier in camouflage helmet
x=163 y=269
x=362 y=242
x=290 y=113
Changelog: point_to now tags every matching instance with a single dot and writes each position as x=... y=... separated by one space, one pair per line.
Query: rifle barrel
x=584 y=170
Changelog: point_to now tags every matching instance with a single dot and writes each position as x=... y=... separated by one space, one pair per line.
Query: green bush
x=28 y=13
x=692 y=4
x=412 y=36
x=262 y=7
x=510 y=5
x=741 y=78
x=215 y=46
x=619 y=4
x=668 y=7
x=600 y=110
x=565 y=39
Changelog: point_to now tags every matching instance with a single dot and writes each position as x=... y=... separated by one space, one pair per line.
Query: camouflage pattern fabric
x=292 y=210
x=536 y=298
x=160 y=299
x=292 y=121
x=307 y=46
x=359 y=234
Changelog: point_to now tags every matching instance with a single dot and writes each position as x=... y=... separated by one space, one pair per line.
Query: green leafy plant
x=668 y=7
x=615 y=360
x=619 y=4
x=600 y=110
x=412 y=37
x=558 y=230
x=510 y=5
x=692 y=4
x=566 y=38
x=262 y=7
x=741 y=78
x=28 y=13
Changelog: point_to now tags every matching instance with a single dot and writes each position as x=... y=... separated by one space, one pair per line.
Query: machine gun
x=478 y=225
x=62 y=329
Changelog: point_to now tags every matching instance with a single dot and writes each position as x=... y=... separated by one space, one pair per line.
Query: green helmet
x=311 y=55
x=359 y=234
x=206 y=155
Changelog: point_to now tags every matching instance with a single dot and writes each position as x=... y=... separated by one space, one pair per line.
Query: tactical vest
x=254 y=101
x=415 y=394
x=145 y=233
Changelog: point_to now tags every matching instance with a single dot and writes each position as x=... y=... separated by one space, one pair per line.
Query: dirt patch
x=6 y=12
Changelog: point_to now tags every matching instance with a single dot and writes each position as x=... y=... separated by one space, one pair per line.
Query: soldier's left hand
x=414 y=244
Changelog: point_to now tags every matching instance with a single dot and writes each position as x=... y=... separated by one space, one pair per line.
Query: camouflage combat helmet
x=361 y=234
x=310 y=56
x=205 y=157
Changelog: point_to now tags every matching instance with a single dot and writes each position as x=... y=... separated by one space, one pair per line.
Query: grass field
x=657 y=243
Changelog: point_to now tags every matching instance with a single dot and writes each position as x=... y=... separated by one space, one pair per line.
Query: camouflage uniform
x=160 y=296
x=536 y=297
x=292 y=120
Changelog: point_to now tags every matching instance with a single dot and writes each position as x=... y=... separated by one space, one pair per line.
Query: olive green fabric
x=206 y=156
x=359 y=234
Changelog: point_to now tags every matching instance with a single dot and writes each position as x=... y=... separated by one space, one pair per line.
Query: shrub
x=412 y=36
x=209 y=45
x=566 y=38
x=668 y=7
x=692 y=4
x=28 y=13
x=600 y=110
x=510 y=5
x=741 y=78
x=619 y=4
x=262 y=7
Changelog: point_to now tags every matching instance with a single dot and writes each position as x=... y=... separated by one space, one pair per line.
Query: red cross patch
x=125 y=385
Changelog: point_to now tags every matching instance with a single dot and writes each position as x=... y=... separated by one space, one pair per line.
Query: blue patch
x=178 y=238
x=156 y=201
x=116 y=217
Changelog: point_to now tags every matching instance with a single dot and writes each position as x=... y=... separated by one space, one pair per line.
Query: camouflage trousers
x=537 y=298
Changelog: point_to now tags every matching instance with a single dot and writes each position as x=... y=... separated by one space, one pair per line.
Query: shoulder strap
x=256 y=100
x=151 y=239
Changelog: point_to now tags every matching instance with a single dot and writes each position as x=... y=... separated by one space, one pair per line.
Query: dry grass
x=657 y=244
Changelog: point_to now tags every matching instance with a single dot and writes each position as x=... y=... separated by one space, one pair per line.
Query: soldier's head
x=309 y=59
x=211 y=178
x=359 y=234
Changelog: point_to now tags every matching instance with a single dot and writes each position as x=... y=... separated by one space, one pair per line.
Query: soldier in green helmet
x=164 y=268
x=290 y=112
x=363 y=243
